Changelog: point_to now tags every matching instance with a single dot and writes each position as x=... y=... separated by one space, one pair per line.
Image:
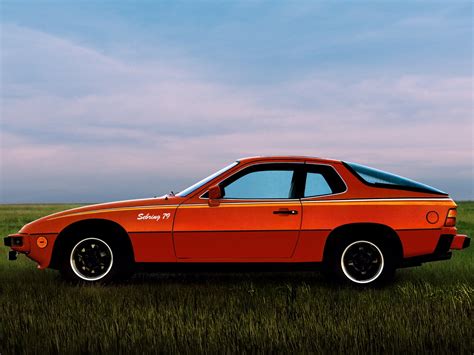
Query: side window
x=316 y=185
x=263 y=183
x=322 y=180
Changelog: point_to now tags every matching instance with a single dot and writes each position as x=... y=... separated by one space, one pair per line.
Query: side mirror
x=215 y=192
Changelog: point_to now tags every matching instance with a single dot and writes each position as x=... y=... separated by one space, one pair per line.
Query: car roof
x=296 y=158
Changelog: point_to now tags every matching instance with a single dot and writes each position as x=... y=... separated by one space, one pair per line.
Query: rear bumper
x=460 y=241
x=442 y=251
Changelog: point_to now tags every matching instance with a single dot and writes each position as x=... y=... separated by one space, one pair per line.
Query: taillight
x=451 y=218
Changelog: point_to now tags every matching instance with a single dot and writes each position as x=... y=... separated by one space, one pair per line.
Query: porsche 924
x=359 y=223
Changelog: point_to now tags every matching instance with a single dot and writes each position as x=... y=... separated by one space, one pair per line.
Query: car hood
x=162 y=200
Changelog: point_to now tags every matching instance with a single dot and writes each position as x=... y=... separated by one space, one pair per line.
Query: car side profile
x=360 y=223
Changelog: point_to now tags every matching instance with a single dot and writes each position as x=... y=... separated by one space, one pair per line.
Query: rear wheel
x=90 y=258
x=364 y=261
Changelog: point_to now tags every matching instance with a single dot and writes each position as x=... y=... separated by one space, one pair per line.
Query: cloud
x=83 y=125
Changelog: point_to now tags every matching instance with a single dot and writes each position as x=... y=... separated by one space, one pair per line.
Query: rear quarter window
x=322 y=180
x=316 y=185
x=380 y=178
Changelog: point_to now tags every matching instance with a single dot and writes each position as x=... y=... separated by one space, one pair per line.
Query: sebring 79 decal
x=156 y=217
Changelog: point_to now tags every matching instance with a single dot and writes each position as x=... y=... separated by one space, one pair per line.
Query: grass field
x=427 y=309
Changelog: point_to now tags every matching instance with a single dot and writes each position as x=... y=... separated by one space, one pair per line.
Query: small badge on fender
x=156 y=217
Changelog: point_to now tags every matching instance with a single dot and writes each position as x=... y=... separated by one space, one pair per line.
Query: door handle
x=285 y=212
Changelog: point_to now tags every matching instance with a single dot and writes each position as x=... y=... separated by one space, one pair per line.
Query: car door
x=258 y=217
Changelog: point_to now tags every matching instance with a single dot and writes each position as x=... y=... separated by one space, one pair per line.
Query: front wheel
x=363 y=262
x=92 y=259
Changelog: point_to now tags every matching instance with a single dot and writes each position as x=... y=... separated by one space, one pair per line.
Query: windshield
x=205 y=180
x=382 y=178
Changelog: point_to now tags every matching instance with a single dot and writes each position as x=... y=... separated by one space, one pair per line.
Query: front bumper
x=19 y=243
x=14 y=240
x=12 y=255
x=37 y=247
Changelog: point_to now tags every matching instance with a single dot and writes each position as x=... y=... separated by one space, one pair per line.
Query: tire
x=91 y=258
x=362 y=262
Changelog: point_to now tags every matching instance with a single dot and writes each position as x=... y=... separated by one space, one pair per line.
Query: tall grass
x=427 y=309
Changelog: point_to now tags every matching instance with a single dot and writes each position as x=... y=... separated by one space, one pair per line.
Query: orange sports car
x=360 y=223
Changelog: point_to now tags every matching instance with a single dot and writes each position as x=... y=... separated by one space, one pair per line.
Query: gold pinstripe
x=118 y=209
x=435 y=202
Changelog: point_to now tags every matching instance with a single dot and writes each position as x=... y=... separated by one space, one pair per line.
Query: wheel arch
x=88 y=224
x=376 y=230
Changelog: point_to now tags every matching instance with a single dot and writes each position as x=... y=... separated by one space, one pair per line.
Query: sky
x=111 y=100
